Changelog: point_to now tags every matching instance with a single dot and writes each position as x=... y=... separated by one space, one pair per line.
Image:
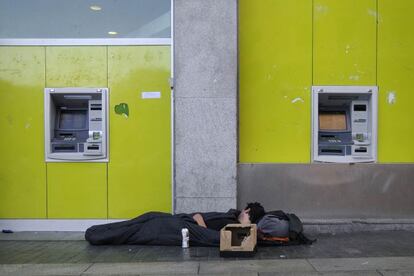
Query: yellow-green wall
x=285 y=47
x=138 y=175
x=22 y=166
x=77 y=190
x=396 y=75
x=275 y=44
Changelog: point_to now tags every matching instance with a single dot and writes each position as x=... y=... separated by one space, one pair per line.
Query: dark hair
x=256 y=211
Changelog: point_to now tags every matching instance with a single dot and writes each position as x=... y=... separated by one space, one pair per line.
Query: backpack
x=273 y=226
x=280 y=228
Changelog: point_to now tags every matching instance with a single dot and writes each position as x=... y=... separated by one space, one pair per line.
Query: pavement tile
x=373 y=263
x=255 y=266
x=340 y=273
x=59 y=250
x=157 y=268
x=290 y=273
x=43 y=269
x=396 y=273
x=215 y=274
x=348 y=273
x=10 y=268
x=43 y=236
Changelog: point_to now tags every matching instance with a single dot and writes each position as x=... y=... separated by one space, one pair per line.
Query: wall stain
x=372 y=13
x=321 y=9
x=391 y=97
x=148 y=57
x=354 y=77
x=347 y=49
x=10 y=119
x=299 y=99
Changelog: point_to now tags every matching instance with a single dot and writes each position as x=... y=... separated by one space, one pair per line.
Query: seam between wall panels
x=172 y=112
x=47 y=188
x=313 y=30
x=376 y=47
x=377 y=161
x=312 y=83
x=107 y=133
x=237 y=97
x=44 y=150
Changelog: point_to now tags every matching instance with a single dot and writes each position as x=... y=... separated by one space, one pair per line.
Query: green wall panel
x=77 y=190
x=22 y=169
x=275 y=59
x=344 y=42
x=396 y=80
x=76 y=66
x=139 y=172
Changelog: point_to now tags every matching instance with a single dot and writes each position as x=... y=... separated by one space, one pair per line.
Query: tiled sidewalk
x=385 y=266
x=377 y=253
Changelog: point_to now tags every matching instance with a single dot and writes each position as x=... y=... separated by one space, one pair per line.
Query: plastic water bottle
x=186 y=237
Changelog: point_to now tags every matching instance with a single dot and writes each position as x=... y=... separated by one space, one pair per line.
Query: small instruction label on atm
x=150 y=95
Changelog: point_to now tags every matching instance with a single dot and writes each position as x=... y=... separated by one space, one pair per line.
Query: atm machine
x=76 y=124
x=344 y=124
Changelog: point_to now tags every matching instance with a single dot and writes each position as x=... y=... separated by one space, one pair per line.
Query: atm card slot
x=361 y=150
x=332 y=151
x=93 y=147
x=64 y=148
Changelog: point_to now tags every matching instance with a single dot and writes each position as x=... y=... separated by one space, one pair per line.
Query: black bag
x=276 y=219
x=273 y=226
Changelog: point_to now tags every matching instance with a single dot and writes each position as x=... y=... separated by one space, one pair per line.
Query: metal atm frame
x=369 y=94
x=51 y=115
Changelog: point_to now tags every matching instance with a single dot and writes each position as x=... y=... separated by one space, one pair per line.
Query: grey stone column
x=205 y=88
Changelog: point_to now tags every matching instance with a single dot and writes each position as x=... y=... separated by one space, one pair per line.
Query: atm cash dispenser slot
x=76 y=124
x=344 y=123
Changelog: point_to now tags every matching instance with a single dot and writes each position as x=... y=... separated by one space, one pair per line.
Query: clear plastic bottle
x=186 y=238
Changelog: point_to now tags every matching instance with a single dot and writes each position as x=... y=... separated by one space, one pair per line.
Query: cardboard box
x=238 y=240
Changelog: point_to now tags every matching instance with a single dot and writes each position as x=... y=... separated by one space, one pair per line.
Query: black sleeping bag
x=156 y=228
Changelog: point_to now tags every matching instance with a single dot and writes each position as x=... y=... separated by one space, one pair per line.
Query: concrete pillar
x=205 y=88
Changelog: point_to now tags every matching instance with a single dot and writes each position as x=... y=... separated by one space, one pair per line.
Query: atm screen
x=332 y=121
x=73 y=119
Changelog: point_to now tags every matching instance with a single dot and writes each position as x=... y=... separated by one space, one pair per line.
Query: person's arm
x=199 y=219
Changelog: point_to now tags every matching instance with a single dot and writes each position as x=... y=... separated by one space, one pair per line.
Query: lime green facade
x=275 y=65
x=139 y=150
x=139 y=171
x=23 y=170
x=396 y=81
x=77 y=190
x=285 y=47
x=344 y=42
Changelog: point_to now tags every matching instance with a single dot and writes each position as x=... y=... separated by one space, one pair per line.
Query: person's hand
x=199 y=219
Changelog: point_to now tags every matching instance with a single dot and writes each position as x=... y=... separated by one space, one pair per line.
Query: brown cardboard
x=238 y=238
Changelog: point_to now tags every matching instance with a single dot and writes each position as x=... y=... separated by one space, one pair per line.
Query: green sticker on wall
x=122 y=109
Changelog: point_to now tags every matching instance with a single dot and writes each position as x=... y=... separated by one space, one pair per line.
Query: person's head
x=252 y=213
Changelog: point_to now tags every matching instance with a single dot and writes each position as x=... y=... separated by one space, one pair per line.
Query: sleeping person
x=215 y=220
x=156 y=228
